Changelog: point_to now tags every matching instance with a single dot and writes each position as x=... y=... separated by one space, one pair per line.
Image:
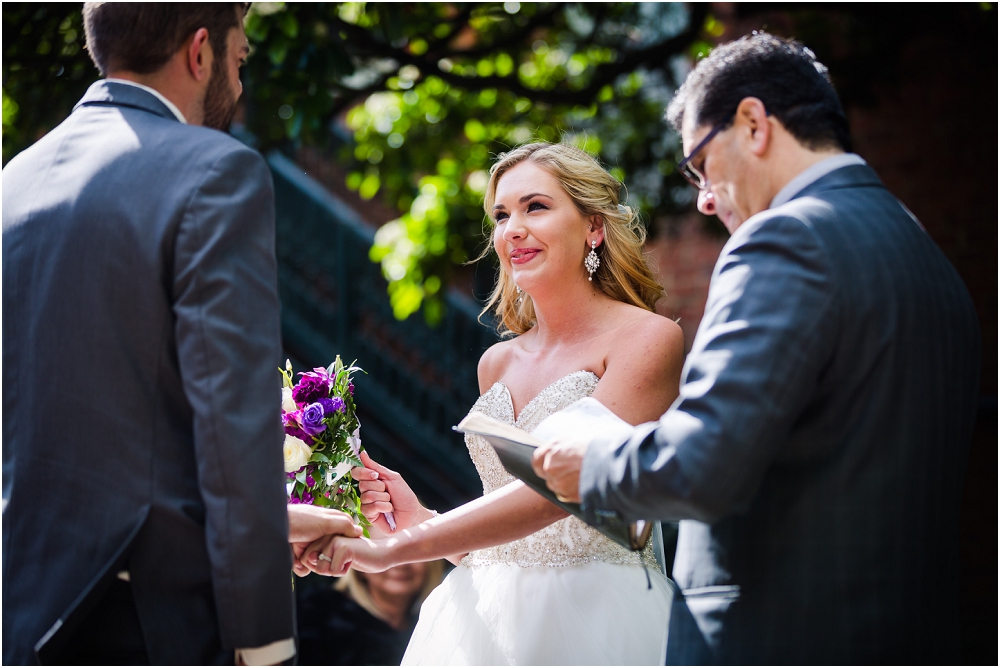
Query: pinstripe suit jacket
x=140 y=338
x=816 y=453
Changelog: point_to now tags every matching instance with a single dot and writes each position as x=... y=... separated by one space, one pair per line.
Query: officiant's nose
x=706 y=202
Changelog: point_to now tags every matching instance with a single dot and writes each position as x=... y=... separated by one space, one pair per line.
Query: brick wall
x=683 y=256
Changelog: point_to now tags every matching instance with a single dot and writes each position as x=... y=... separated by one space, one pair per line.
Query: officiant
x=816 y=453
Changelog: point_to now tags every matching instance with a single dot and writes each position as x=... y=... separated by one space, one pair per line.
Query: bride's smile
x=523 y=255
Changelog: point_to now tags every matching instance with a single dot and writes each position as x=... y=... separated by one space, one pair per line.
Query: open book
x=588 y=418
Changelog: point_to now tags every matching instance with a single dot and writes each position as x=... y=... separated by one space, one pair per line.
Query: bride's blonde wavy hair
x=623 y=274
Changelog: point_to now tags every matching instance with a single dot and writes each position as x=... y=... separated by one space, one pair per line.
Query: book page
x=484 y=425
x=585 y=419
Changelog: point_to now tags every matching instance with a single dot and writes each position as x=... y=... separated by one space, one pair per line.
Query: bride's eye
x=535 y=206
x=500 y=217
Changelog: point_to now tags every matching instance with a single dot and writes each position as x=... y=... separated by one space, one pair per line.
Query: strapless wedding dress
x=565 y=595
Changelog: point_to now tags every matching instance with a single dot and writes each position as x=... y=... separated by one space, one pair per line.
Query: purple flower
x=310 y=388
x=312 y=419
x=310 y=481
x=321 y=373
x=290 y=475
x=292 y=428
x=293 y=500
x=350 y=388
x=307 y=497
x=331 y=406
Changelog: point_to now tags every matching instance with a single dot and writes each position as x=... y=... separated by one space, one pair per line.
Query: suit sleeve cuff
x=600 y=474
x=268 y=655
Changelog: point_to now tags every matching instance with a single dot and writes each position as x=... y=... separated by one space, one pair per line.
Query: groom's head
x=199 y=46
x=751 y=114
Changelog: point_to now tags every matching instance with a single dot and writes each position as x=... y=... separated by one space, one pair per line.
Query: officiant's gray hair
x=782 y=73
x=623 y=274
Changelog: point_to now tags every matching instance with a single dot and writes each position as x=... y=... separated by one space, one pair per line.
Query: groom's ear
x=199 y=55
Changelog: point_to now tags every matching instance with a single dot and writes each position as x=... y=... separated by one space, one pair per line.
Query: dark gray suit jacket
x=141 y=340
x=817 y=450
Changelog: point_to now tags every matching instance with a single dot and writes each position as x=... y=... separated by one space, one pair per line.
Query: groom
x=816 y=453
x=144 y=511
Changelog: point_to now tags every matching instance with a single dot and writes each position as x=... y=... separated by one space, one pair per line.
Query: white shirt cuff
x=268 y=655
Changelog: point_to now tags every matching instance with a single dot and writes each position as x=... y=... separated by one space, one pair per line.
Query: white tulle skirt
x=591 y=614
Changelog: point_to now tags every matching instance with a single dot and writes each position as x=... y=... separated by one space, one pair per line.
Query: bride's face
x=540 y=235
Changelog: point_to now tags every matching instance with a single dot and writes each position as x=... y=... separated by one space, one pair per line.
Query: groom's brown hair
x=141 y=37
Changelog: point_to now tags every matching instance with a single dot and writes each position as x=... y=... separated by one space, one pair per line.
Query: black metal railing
x=420 y=380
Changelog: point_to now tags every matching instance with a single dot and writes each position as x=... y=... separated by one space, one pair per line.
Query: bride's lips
x=523 y=255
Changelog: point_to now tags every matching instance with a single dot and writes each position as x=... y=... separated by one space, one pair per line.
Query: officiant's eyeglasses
x=689 y=171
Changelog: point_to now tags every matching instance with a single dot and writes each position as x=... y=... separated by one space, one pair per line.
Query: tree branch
x=543 y=18
x=654 y=56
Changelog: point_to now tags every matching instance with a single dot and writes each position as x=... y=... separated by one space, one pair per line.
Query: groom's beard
x=220 y=103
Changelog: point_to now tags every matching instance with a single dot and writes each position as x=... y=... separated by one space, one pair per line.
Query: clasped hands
x=328 y=542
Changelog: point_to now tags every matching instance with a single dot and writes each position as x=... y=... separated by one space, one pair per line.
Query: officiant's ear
x=754 y=123
x=595 y=229
x=199 y=55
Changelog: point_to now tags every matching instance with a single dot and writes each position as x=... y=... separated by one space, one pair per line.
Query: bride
x=533 y=585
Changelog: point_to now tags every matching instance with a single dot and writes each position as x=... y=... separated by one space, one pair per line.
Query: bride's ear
x=595 y=230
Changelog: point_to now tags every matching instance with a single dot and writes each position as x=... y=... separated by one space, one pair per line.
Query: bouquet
x=322 y=440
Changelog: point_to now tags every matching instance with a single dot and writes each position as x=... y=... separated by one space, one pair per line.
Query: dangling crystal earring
x=592 y=262
x=520 y=297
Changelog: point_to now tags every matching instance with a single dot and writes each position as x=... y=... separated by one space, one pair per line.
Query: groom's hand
x=558 y=463
x=309 y=523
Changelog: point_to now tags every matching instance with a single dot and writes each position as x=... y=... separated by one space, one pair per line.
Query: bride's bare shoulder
x=649 y=333
x=494 y=363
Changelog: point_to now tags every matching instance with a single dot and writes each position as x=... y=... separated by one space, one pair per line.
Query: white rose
x=287 y=403
x=296 y=452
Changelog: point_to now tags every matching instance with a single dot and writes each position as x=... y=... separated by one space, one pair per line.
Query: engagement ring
x=323 y=557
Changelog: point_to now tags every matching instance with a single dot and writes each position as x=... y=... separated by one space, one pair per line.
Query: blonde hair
x=356 y=586
x=623 y=274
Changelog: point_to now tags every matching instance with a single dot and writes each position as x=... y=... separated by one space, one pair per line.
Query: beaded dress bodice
x=569 y=541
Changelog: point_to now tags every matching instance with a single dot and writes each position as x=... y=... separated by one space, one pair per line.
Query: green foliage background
x=431 y=92
x=417 y=99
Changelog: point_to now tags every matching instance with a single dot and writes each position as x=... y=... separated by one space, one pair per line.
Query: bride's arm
x=384 y=491
x=510 y=513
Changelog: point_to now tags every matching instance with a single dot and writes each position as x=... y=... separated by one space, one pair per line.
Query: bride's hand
x=384 y=491
x=334 y=555
x=308 y=523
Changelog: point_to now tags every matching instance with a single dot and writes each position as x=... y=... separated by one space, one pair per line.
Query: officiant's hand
x=558 y=463
x=384 y=491
x=307 y=523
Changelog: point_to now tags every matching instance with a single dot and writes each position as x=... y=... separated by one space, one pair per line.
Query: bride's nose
x=513 y=229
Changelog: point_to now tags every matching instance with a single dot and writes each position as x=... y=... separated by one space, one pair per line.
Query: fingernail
x=374 y=475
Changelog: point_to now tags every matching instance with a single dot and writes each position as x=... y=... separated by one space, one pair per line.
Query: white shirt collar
x=170 y=105
x=814 y=173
